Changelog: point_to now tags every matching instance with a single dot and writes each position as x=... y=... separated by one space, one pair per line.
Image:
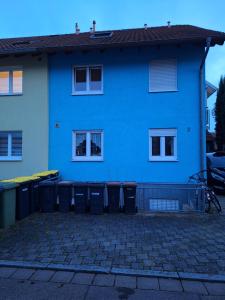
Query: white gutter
x=202 y=126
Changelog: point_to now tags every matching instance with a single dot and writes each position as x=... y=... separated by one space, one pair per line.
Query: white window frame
x=151 y=90
x=88 y=156
x=10 y=70
x=10 y=157
x=162 y=133
x=88 y=91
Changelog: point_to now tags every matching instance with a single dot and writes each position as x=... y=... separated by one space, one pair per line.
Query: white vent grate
x=163 y=204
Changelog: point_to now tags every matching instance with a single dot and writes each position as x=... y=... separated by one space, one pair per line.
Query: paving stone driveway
x=181 y=243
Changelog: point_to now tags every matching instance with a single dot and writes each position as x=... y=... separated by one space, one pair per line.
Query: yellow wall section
x=29 y=113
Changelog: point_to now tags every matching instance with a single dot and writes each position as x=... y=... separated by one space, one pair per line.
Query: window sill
x=10 y=160
x=87 y=94
x=172 y=91
x=163 y=160
x=87 y=160
x=18 y=94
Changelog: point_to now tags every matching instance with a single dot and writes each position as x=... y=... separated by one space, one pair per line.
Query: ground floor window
x=162 y=144
x=10 y=145
x=88 y=145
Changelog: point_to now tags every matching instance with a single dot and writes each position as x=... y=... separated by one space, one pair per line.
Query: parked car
x=216 y=170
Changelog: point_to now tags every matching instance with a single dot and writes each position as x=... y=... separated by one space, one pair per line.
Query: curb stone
x=115 y=271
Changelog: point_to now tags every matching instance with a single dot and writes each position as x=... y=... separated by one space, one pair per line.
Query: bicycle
x=208 y=192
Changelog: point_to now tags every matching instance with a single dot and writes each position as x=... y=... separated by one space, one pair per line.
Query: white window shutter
x=163 y=75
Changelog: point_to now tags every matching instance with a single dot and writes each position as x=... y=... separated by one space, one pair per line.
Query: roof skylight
x=104 y=34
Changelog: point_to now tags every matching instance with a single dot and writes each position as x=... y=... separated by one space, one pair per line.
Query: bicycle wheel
x=214 y=200
x=207 y=202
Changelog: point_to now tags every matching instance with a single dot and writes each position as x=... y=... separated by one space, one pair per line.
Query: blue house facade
x=129 y=114
x=122 y=105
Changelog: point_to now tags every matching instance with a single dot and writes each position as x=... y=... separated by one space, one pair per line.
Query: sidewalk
x=17 y=283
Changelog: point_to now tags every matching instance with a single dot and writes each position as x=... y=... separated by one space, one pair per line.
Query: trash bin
x=113 y=189
x=22 y=196
x=48 y=195
x=34 y=194
x=96 y=197
x=65 y=195
x=129 y=190
x=54 y=173
x=7 y=204
x=47 y=174
x=80 y=197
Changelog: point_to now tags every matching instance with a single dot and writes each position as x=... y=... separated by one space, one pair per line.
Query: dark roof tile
x=126 y=37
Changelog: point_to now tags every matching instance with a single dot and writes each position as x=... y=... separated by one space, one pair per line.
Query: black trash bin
x=45 y=175
x=65 y=189
x=22 y=196
x=22 y=199
x=80 y=197
x=113 y=189
x=96 y=197
x=34 y=194
x=54 y=174
x=48 y=196
x=129 y=191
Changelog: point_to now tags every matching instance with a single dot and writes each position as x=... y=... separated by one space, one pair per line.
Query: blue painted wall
x=125 y=112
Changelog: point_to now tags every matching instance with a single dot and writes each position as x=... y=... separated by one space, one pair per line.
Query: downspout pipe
x=202 y=126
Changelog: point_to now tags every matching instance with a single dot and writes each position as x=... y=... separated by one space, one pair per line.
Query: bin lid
x=47 y=182
x=80 y=183
x=96 y=184
x=113 y=183
x=34 y=177
x=46 y=173
x=18 y=179
x=129 y=183
x=7 y=185
x=65 y=182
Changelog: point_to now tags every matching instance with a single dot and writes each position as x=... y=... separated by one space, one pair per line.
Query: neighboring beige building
x=23 y=115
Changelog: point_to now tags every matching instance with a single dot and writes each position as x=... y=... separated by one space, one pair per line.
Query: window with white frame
x=87 y=80
x=88 y=145
x=163 y=75
x=10 y=145
x=162 y=144
x=11 y=81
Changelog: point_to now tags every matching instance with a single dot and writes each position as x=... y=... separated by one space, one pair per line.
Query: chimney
x=145 y=26
x=91 y=29
x=168 y=24
x=94 y=25
x=77 y=30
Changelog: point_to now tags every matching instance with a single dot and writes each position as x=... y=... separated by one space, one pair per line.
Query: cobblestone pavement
x=179 y=243
x=44 y=284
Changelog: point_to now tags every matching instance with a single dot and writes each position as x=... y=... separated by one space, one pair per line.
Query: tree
x=220 y=115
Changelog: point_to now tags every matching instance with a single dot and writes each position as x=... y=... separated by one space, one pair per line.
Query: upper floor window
x=10 y=145
x=11 y=81
x=163 y=144
x=88 y=145
x=87 y=80
x=163 y=75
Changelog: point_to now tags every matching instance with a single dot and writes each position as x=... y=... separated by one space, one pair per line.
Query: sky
x=44 y=17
